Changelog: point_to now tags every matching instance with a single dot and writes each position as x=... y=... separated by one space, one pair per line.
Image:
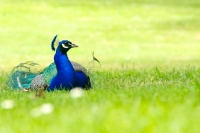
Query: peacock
x=61 y=74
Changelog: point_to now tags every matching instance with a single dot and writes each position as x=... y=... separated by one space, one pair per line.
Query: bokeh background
x=130 y=33
x=149 y=52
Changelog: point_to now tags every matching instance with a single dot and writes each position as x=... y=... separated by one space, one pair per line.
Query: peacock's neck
x=63 y=64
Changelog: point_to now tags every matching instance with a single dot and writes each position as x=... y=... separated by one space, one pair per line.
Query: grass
x=149 y=51
x=129 y=100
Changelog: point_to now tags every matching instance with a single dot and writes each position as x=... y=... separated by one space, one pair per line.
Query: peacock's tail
x=22 y=75
x=26 y=76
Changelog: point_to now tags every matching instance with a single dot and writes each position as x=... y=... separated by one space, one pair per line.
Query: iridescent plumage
x=24 y=76
x=62 y=74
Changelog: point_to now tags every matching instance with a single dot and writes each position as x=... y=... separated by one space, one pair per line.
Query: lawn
x=150 y=56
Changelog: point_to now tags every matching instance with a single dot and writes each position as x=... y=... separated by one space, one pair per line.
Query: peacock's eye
x=64 y=45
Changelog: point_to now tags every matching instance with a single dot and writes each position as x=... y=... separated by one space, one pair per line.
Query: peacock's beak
x=74 y=45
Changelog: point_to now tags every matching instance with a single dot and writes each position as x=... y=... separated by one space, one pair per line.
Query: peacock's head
x=63 y=45
x=66 y=45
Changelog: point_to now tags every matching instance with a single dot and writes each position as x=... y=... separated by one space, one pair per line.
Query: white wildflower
x=7 y=104
x=76 y=92
x=46 y=108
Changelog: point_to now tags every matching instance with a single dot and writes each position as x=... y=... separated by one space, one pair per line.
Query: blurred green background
x=131 y=33
x=139 y=37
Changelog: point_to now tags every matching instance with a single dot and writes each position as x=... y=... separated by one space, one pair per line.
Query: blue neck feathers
x=63 y=65
x=65 y=77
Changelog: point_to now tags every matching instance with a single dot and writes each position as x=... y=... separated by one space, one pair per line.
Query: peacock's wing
x=38 y=82
x=78 y=67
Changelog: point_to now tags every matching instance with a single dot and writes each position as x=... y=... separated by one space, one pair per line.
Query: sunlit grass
x=136 y=101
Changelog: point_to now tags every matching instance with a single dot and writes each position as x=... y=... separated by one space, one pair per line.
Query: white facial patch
x=63 y=45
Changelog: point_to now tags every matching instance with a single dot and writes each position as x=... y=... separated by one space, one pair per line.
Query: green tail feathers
x=22 y=75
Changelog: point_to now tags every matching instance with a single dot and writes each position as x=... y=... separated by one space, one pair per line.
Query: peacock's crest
x=52 y=42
